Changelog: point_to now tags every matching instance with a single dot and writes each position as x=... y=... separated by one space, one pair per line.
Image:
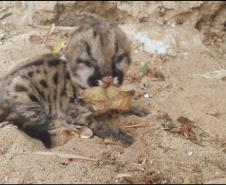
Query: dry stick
x=49 y=33
x=6 y=15
x=65 y=156
x=3 y=9
x=135 y=126
x=63 y=28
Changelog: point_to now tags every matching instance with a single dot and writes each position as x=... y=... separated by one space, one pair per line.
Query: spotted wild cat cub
x=47 y=87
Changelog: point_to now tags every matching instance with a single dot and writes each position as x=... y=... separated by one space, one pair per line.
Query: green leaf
x=58 y=46
x=144 y=70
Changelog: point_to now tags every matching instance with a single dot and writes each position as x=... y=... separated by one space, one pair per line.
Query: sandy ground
x=181 y=141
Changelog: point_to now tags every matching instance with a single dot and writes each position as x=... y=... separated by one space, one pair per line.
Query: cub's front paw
x=105 y=130
x=139 y=111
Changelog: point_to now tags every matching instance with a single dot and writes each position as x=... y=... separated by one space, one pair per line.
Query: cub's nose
x=107 y=80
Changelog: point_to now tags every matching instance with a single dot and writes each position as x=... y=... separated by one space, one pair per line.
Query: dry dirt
x=181 y=141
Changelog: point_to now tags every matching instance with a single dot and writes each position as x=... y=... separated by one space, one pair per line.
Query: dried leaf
x=35 y=39
x=61 y=136
x=143 y=71
x=102 y=99
x=184 y=120
x=68 y=135
x=155 y=72
x=223 y=78
x=223 y=145
x=147 y=167
x=58 y=46
x=168 y=125
x=94 y=94
x=120 y=99
x=186 y=129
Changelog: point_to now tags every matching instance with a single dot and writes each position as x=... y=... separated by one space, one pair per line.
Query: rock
x=86 y=133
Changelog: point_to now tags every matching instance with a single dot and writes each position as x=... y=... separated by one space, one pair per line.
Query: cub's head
x=97 y=53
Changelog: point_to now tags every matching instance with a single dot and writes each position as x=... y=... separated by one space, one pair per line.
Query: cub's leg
x=102 y=129
x=133 y=110
x=137 y=111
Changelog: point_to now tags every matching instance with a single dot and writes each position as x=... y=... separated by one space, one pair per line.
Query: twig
x=108 y=142
x=190 y=171
x=4 y=16
x=63 y=28
x=65 y=156
x=135 y=126
x=49 y=33
x=3 y=9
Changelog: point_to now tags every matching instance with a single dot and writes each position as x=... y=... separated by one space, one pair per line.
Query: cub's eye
x=85 y=62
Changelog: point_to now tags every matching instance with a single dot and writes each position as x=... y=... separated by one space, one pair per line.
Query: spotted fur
x=47 y=87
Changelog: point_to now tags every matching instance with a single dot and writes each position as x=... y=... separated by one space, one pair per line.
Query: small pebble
x=2 y=35
x=86 y=133
x=190 y=153
x=146 y=96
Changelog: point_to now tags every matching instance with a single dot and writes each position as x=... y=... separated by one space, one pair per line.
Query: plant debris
x=35 y=39
x=60 y=44
x=62 y=135
x=185 y=129
x=65 y=156
x=184 y=120
x=144 y=70
x=151 y=70
x=102 y=99
x=155 y=72
x=49 y=33
x=106 y=158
